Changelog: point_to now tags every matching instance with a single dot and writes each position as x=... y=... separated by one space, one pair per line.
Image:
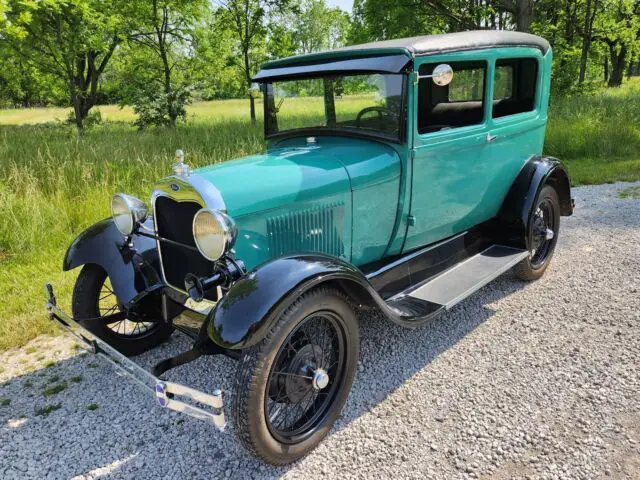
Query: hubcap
x=320 y=379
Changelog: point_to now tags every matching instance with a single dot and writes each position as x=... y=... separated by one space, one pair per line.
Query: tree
x=618 y=27
x=317 y=27
x=587 y=32
x=248 y=21
x=73 y=40
x=166 y=29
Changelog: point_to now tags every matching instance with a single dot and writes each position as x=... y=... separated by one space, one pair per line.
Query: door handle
x=491 y=138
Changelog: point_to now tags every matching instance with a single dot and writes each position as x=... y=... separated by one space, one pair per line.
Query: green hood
x=299 y=196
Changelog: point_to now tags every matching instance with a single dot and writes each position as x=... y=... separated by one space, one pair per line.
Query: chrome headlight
x=214 y=233
x=127 y=212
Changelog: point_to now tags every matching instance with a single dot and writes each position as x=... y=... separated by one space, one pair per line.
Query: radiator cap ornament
x=180 y=168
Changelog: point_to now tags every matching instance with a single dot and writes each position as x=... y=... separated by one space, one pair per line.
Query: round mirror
x=442 y=75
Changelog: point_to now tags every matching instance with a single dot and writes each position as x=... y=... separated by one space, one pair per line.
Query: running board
x=457 y=283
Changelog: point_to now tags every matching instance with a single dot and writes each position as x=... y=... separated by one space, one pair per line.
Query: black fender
x=246 y=313
x=517 y=207
x=133 y=268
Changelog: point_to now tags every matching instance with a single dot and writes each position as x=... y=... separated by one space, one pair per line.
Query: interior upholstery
x=437 y=113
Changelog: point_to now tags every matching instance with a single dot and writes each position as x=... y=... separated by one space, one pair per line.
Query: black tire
x=258 y=385
x=541 y=250
x=86 y=309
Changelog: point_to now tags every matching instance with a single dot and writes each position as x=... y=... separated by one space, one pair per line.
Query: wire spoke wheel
x=305 y=377
x=108 y=305
x=291 y=386
x=543 y=234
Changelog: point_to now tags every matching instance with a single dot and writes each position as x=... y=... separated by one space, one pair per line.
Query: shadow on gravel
x=80 y=405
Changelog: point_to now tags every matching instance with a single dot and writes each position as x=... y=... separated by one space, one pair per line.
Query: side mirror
x=442 y=75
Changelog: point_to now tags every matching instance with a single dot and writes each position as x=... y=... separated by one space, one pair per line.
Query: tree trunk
x=247 y=73
x=618 y=63
x=606 y=68
x=525 y=15
x=586 y=40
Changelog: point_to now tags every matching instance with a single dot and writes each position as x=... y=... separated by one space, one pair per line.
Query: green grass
x=92 y=406
x=630 y=193
x=48 y=409
x=597 y=135
x=5 y=402
x=54 y=184
x=48 y=392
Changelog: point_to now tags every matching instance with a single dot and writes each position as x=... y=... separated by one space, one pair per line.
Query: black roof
x=423 y=45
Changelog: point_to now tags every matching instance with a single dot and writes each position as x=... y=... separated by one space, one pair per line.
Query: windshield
x=366 y=103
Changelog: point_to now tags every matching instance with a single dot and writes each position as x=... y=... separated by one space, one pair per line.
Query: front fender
x=517 y=207
x=245 y=314
x=131 y=270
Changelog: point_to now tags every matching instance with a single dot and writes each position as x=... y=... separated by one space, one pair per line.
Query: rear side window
x=459 y=104
x=514 y=88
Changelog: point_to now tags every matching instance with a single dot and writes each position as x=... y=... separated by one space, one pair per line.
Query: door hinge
x=411 y=221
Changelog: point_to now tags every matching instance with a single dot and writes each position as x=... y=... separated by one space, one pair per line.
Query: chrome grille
x=174 y=221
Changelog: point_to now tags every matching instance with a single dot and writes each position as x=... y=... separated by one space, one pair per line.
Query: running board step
x=462 y=280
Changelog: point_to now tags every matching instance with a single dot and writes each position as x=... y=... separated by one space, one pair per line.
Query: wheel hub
x=302 y=373
x=320 y=379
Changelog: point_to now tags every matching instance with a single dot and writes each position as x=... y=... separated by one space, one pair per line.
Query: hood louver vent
x=318 y=229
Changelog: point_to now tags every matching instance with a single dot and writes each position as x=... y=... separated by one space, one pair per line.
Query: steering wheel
x=381 y=111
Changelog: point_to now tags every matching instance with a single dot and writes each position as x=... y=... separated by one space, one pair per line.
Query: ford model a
x=401 y=175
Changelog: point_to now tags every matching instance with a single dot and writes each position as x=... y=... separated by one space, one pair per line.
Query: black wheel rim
x=295 y=405
x=543 y=224
x=108 y=305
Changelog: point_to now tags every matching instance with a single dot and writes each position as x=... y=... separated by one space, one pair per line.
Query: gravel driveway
x=537 y=380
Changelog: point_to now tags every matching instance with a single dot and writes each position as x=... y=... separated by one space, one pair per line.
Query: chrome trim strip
x=193 y=188
x=163 y=390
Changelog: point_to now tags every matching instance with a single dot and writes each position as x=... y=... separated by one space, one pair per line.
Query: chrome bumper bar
x=164 y=391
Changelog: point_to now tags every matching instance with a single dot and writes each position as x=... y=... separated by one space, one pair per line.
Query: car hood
x=297 y=173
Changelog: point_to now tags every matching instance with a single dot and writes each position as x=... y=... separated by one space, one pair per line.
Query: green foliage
x=161 y=109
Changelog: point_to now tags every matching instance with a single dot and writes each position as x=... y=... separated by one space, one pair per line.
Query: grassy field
x=53 y=183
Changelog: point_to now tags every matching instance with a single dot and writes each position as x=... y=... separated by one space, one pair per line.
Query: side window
x=459 y=104
x=514 y=88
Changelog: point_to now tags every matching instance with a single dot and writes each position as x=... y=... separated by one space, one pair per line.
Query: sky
x=346 y=5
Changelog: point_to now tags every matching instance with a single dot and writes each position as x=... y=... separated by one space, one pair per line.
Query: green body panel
x=362 y=199
x=459 y=178
x=337 y=196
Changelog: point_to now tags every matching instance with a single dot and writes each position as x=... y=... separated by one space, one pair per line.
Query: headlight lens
x=214 y=233
x=127 y=212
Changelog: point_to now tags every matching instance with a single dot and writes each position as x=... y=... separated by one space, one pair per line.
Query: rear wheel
x=544 y=226
x=93 y=298
x=291 y=387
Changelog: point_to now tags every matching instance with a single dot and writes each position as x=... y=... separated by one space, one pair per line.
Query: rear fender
x=517 y=207
x=132 y=270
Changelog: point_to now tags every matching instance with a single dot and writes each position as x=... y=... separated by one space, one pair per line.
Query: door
x=451 y=171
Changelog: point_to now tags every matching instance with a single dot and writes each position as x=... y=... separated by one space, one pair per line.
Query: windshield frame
x=339 y=131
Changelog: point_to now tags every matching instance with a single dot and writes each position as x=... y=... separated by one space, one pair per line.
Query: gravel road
x=538 y=380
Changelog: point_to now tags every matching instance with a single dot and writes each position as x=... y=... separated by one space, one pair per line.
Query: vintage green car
x=400 y=176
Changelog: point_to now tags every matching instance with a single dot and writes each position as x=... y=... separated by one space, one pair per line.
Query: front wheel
x=93 y=299
x=291 y=387
x=544 y=226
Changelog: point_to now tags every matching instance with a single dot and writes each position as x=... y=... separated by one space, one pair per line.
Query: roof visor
x=383 y=64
